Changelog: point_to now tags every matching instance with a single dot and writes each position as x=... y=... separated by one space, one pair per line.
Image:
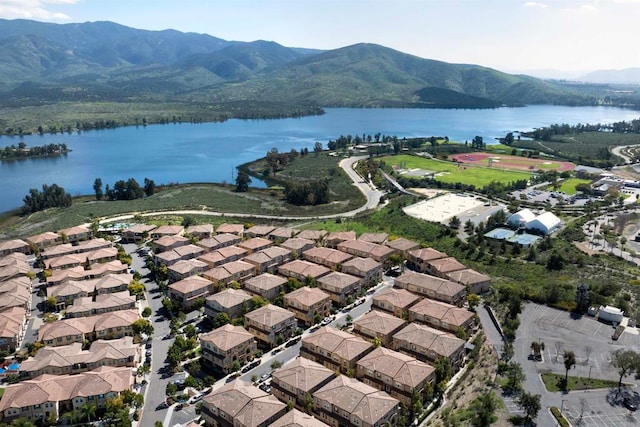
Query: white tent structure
x=610 y=314
x=520 y=218
x=545 y=223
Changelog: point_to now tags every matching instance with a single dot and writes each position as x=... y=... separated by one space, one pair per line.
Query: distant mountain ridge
x=104 y=61
x=624 y=76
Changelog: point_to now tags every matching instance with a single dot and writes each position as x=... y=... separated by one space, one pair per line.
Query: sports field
x=451 y=172
x=513 y=162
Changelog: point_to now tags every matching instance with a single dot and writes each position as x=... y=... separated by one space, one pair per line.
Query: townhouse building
x=227 y=347
x=432 y=287
x=378 y=325
x=335 y=349
x=298 y=380
x=310 y=305
x=271 y=325
x=265 y=285
x=428 y=344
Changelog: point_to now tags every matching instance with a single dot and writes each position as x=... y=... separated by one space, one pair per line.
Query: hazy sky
x=509 y=35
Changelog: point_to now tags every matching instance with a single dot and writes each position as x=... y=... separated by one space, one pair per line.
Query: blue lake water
x=210 y=152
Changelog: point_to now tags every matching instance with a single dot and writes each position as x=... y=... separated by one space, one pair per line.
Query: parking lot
x=594 y=409
x=592 y=344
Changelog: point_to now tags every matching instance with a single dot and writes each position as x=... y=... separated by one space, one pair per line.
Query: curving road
x=372 y=194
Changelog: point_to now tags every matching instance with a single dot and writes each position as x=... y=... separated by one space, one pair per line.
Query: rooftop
x=226 y=337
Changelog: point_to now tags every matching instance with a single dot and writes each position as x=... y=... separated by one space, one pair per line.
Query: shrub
x=559 y=417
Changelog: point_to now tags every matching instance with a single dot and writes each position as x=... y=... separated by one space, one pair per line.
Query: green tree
x=158 y=424
x=142 y=326
x=416 y=403
x=149 y=187
x=454 y=222
x=235 y=367
x=146 y=312
x=626 y=362
x=276 y=364
x=88 y=411
x=484 y=407
x=171 y=389
x=569 y=362
x=97 y=188
x=308 y=403
x=473 y=301
x=51 y=303
x=514 y=375
x=443 y=369
x=242 y=181
x=530 y=404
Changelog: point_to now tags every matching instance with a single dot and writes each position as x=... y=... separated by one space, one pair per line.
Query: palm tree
x=569 y=362
x=88 y=410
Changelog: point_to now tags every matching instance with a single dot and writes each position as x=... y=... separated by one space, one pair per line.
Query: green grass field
x=552 y=381
x=569 y=185
x=465 y=174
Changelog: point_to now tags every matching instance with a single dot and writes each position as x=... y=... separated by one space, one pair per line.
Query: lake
x=209 y=152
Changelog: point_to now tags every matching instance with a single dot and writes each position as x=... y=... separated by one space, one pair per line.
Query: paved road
x=155 y=389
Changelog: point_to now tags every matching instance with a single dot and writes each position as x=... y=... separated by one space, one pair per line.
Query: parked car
x=628 y=403
x=276 y=350
x=292 y=342
x=148 y=345
x=163 y=405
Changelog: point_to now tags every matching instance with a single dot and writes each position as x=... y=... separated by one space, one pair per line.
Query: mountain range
x=104 y=61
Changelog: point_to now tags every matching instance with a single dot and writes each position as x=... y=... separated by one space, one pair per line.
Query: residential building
x=332 y=258
x=188 y=291
x=395 y=301
x=295 y=418
x=72 y=359
x=378 y=325
x=396 y=373
x=67 y=292
x=167 y=243
x=281 y=234
x=201 y=231
x=418 y=259
x=13 y=266
x=432 y=287
x=81 y=259
x=13 y=323
x=335 y=238
x=301 y=270
x=16 y=292
x=112 y=325
x=428 y=345
x=441 y=315
x=476 y=283
x=369 y=269
x=335 y=349
x=402 y=246
x=185 y=268
x=219 y=241
x=223 y=255
x=341 y=287
x=315 y=235
x=227 y=347
x=377 y=238
x=172 y=256
x=259 y=230
x=271 y=325
x=86 y=306
x=167 y=230
x=298 y=380
x=44 y=240
x=347 y=402
x=237 y=229
x=266 y=285
x=298 y=246
x=310 y=305
x=137 y=233
x=269 y=259
x=240 y=404
x=255 y=244
x=234 y=271
x=12 y=246
x=78 y=248
x=363 y=249
x=230 y=301
x=444 y=266
x=75 y=234
x=50 y=396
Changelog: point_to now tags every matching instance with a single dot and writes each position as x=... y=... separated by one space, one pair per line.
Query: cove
x=209 y=152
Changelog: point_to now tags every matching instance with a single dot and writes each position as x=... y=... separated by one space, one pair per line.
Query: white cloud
x=43 y=10
x=535 y=4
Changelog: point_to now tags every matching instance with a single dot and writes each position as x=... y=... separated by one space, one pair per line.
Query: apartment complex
x=310 y=305
x=227 y=346
x=298 y=380
x=335 y=349
x=271 y=325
